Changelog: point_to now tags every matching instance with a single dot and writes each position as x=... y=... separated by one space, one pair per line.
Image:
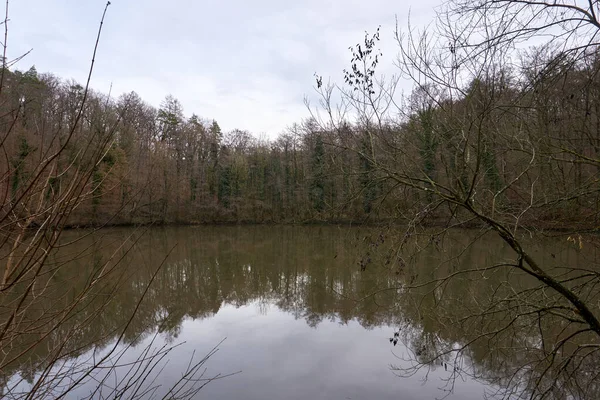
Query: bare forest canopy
x=158 y=166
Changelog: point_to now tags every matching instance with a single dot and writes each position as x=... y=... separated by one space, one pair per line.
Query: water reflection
x=297 y=307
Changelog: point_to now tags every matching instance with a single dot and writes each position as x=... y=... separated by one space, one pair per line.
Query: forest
x=155 y=165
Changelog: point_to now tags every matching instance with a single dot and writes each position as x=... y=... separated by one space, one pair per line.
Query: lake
x=296 y=312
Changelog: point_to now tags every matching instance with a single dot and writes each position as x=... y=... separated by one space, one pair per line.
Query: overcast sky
x=246 y=64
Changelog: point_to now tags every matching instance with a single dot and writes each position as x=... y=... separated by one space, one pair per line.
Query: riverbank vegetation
x=520 y=141
x=516 y=136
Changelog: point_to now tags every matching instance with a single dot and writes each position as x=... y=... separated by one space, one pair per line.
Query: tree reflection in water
x=316 y=274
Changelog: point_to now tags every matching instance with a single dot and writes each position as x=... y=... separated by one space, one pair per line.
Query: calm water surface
x=292 y=304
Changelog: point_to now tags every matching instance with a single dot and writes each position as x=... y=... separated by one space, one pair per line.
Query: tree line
x=158 y=166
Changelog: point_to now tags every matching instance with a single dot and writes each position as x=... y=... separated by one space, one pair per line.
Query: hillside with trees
x=529 y=138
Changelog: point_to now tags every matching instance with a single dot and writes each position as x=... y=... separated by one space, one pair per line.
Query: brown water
x=295 y=305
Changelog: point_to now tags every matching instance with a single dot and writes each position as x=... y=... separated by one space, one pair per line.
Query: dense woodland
x=159 y=166
x=162 y=167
